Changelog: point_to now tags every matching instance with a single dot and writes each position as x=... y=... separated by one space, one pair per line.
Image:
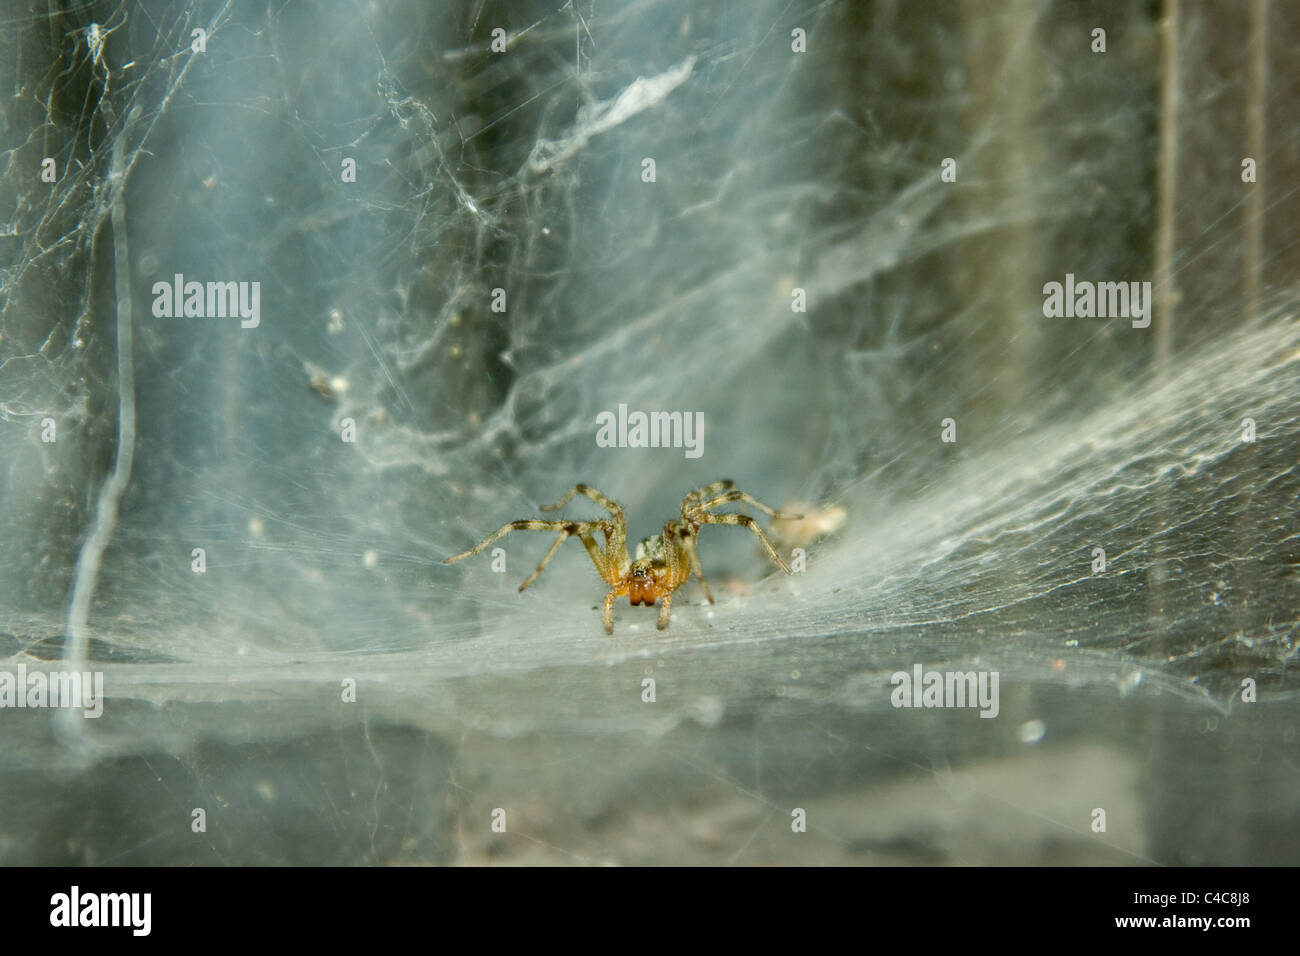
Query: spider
x=664 y=562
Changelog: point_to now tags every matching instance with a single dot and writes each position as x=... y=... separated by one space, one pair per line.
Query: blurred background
x=383 y=416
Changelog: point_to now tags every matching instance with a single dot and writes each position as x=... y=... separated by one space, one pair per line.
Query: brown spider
x=664 y=562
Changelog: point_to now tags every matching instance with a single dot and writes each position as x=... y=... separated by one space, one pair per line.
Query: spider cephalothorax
x=664 y=562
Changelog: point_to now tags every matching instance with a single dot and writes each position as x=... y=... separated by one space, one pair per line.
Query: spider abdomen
x=652 y=549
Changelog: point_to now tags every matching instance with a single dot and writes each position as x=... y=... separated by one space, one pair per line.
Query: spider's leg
x=689 y=502
x=541 y=565
x=747 y=522
x=711 y=503
x=665 y=603
x=583 y=530
x=688 y=545
x=608 y=616
x=525 y=525
x=616 y=533
x=599 y=558
x=591 y=493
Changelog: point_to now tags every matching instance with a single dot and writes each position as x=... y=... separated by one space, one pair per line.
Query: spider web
x=522 y=171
